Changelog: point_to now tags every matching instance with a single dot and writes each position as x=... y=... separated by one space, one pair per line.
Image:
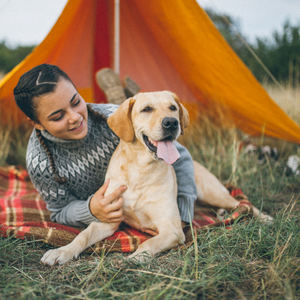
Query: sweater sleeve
x=66 y=209
x=64 y=206
x=187 y=191
x=76 y=213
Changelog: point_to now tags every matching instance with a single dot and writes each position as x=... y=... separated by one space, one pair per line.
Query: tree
x=280 y=54
x=10 y=57
x=286 y=54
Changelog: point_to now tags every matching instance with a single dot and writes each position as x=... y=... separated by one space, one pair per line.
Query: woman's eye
x=147 y=109
x=172 y=107
x=76 y=103
x=58 y=118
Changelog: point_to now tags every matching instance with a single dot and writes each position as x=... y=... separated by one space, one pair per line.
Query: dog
x=147 y=125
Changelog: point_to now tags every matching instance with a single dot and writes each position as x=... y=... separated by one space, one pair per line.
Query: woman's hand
x=107 y=209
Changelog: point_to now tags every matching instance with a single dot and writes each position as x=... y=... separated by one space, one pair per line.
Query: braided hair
x=39 y=81
x=43 y=142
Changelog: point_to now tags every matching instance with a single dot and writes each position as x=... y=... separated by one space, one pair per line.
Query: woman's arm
x=65 y=206
x=71 y=211
x=187 y=191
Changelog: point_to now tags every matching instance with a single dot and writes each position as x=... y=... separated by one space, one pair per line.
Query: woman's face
x=63 y=113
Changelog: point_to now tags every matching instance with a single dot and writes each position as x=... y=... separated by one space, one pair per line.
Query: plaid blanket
x=23 y=214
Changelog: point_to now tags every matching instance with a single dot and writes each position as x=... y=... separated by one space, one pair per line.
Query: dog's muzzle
x=165 y=148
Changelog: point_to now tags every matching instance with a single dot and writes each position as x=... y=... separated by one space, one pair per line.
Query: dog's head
x=155 y=120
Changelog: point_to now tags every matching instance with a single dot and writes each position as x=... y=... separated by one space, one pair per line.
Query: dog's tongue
x=167 y=151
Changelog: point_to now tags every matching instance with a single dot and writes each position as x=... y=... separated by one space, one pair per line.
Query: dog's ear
x=183 y=114
x=120 y=121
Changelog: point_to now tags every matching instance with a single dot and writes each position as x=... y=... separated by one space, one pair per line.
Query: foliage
x=280 y=53
x=10 y=57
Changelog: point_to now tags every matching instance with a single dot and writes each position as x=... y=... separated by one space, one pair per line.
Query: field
x=250 y=261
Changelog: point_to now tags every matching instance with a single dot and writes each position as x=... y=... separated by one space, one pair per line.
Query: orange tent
x=164 y=45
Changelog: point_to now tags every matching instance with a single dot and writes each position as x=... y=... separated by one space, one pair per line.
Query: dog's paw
x=58 y=256
x=139 y=257
x=266 y=219
x=222 y=214
x=263 y=218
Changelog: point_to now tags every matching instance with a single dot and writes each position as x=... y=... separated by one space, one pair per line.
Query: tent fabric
x=164 y=45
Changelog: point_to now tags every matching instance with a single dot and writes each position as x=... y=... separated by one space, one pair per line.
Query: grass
x=287 y=98
x=13 y=145
x=249 y=261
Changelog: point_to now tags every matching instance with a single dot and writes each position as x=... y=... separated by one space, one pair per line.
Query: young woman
x=70 y=147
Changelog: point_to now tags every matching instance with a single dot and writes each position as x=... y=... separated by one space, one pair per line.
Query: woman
x=70 y=147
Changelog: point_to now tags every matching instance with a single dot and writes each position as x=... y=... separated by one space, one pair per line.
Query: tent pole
x=117 y=37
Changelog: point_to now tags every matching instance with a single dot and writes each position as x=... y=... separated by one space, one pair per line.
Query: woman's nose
x=73 y=116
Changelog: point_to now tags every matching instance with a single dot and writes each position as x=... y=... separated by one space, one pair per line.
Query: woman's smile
x=78 y=127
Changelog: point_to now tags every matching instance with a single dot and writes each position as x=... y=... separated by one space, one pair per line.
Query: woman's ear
x=36 y=125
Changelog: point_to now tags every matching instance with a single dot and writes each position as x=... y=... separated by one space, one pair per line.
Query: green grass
x=249 y=261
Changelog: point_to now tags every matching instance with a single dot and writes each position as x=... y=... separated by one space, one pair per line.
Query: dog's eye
x=147 y=109
x=173 y=108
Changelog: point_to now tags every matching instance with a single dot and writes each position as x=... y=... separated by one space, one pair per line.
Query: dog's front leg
x=165 y=240
x=94 y=233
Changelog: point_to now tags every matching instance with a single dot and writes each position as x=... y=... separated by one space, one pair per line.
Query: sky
x=257 y=18
x=27 y=22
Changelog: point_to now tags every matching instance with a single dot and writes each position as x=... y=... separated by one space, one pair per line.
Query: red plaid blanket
x=23 y=214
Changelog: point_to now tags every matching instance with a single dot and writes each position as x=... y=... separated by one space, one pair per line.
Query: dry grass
x=288 y=98
x=4 y=145
x=13 y=145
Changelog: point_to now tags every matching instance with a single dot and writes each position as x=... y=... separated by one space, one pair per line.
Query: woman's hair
x=39 y=81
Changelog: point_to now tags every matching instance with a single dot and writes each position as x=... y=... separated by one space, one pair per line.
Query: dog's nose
x=170 y=123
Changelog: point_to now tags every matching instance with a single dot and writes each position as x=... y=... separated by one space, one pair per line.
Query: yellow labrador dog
x=148 y=124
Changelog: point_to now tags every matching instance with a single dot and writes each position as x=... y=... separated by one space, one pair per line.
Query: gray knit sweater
x=84 y=163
